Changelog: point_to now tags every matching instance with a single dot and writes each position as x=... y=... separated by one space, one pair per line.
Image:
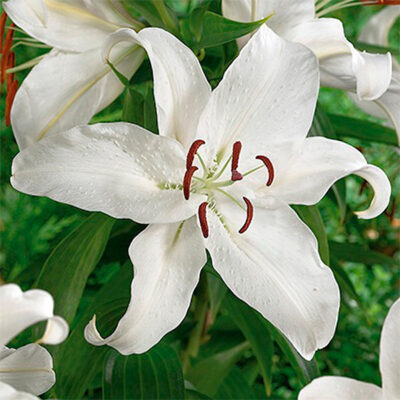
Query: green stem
x=166 y=17
x=200 y=314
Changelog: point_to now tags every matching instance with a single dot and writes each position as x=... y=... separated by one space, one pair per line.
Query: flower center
x=209 y=182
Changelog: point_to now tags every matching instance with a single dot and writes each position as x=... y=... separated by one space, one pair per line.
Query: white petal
x=275 y=267
x=390 y=353
x=335 y=388
x=67 y=89
x=27 y=369
x=376 y=30
x=284 y=13
x=342 y=66
x=56 y=331
x=167 y=261
x=266 y=97
x=119 y=169
x=22 y=309
x=66 y=25
x=181 y=89
x=318 y=165
x=7 y=392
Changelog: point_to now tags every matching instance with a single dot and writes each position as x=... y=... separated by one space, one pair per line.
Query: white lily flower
x=334 y=387
x=29 y=368
x=376 y=32
x=255 y=122
x=71 y=83
x=341 y=65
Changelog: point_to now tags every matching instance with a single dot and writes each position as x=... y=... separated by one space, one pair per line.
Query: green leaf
x=216 y=293
x=312 y=217
x=219 y=30
x=156 y=374
x=305 y=370
x=322 y=126
x=194 y=395
x=208 y=374
x=359 y=254
x=68 y=267
x=77 y=362
x=254 y=330
x=373 y=48
x=348 y=127
x=133 y=104
x=123 y=79
x=147 y=10
x=235 y=386
x=196 y=19
x=346 y=285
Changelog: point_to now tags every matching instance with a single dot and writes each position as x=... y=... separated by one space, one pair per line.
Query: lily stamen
x=249 y=218
x=236 y=175
x=271 y=173
x=187 y=180
x=192 y=152
x=203 y=219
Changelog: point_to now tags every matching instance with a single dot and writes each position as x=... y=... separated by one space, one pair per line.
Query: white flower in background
x=341 y=65
x=28 y=369
x=376 y=32
x=237 y=157
x=334 y=387
x=71 y=83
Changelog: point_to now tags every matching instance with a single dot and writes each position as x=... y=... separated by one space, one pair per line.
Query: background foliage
x=226 y=350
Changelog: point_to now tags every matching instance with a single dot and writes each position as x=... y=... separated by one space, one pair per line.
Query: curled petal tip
x=91 y=333
x=381 y=186
x=121 y=35
x=56 y=331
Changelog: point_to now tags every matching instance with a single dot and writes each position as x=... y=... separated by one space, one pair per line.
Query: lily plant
x=376 y=32
x=71 y=83
x=368 y=76
x=27 y=371
x=335 y=387
x=220 y=176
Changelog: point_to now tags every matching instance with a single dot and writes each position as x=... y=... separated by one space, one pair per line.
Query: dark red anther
x=203 y=219
x=192 y=152
x=187 y=180
x=3 y=20
x=271 y=173
x=236 y=175
x=249 y=218
x=11 y=92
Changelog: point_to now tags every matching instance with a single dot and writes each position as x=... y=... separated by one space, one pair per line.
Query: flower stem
x=200 y=314
x=166 y=17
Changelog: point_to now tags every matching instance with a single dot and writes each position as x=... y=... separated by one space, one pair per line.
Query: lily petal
x=299 y=295
x=27 y=369
x=67 y=89
x=22 y=309
x=387 y=106
x=7 y=392
x=318 y=165
x=181 y=89
x=376 y=30
x=119 y=169
x=267 y=96
x=56 y=331
x=284 y=13
x=65 y=25
x=341 y=65
x=390 y=353
x=334 y=388
x=167 y=261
